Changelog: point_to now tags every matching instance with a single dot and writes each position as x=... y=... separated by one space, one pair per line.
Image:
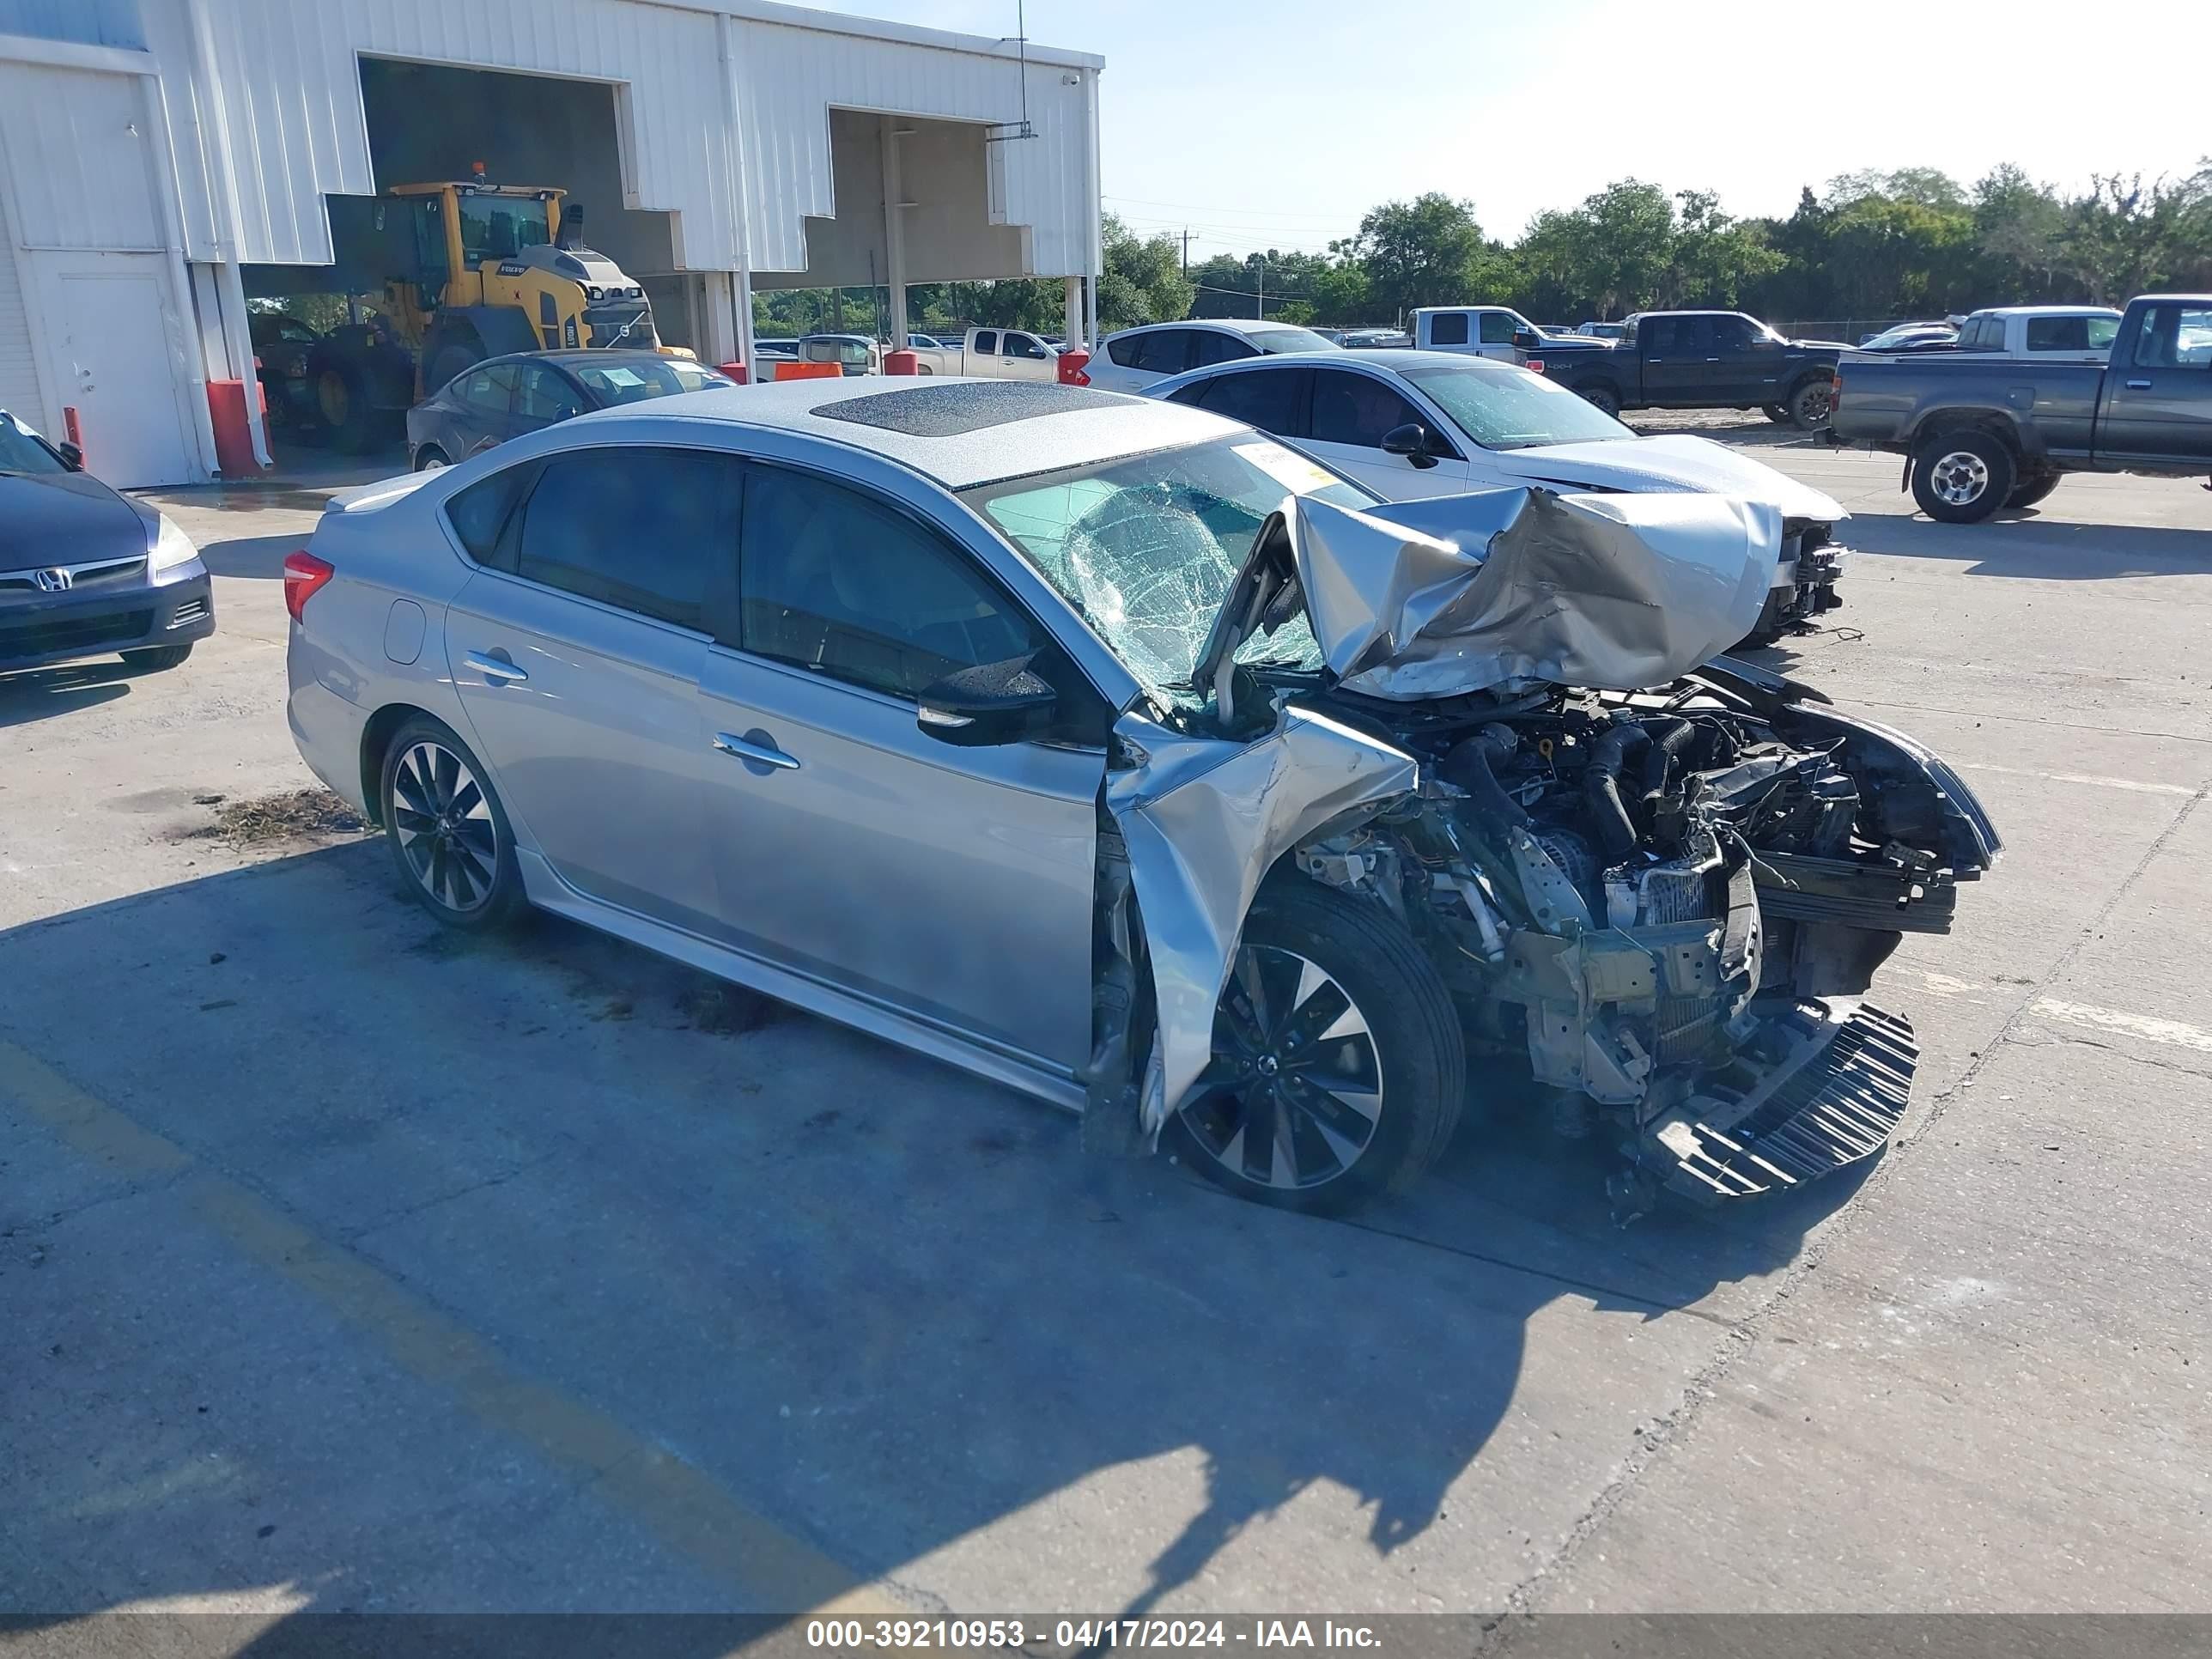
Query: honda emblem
x=51 y=582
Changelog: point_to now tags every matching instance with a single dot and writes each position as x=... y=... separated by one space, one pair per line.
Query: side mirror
x=72 y=457
x=1411 y=441
x=1526 y=340
x=992 y=703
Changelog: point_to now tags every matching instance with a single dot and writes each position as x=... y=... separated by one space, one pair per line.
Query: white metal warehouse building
x=160 y=160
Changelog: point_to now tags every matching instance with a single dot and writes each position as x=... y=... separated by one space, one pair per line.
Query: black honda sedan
x=503 y=397
x=85 y=572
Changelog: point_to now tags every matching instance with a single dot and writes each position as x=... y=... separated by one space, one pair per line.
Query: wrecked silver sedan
x=1112 y=751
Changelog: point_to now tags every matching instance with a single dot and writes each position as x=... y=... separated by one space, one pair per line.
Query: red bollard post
x=737 y=372
x=901 y=362
x=1071 y=364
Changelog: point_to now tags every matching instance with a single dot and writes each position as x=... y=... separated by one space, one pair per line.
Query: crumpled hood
x=1452 y=594
x=1674 y=462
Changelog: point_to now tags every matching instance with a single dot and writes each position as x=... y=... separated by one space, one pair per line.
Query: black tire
x=2033 y=491
x=454 y=357
x=1778 y=413
x=455 y=862
x=155 y=657
x=1811 y=402
x=1961 y=478
x=343 y=403
x=1604 y=397
x=1408 y=1045
x=429 y=456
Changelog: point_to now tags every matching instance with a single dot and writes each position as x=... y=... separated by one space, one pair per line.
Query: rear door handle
x=2138 y=385
x=755 y=748
x=493 y=670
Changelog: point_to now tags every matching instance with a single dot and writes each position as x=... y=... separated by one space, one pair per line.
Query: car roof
x=2046 y=311
x=1392 y=365
x=957 y=430
x=583 y=357
x=1233 y=325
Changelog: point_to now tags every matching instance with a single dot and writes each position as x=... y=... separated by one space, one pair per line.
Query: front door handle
x=2138 y=385
x=756 y=749
x=494 y=671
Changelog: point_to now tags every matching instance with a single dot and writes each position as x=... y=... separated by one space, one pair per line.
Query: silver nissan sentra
x=1109 y=749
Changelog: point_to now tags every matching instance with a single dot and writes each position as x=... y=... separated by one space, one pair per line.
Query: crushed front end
x=1671 y=905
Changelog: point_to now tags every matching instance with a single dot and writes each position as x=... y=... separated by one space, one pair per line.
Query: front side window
x=636 y=527
x=835 y=582
x=1356 y=409
x=1213 y=345
x=1508 y=408
x=2058 y=334
x=1497 y=328
x=1272 y=399
x=1447 y=328
x=1735 y=334
x=1144 y=548
x=2173 y=336
x=1021 y=345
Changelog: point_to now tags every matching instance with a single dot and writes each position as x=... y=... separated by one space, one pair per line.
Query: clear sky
x=1260 y=123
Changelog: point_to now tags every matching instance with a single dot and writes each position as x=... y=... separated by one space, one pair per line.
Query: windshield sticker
x=622 y=377
x=1288 y=468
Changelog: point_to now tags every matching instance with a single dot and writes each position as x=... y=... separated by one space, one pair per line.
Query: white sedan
x=1410 y=424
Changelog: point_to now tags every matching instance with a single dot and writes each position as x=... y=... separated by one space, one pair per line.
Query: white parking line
x=2090 y=779
x=2170 y=1031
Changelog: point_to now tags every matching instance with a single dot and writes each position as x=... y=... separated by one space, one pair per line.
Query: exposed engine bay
x=1667 y=903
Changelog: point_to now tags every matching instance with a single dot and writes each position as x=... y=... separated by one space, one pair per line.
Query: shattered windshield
x=1145 y=547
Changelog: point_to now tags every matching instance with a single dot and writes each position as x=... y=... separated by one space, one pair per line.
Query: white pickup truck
x=1497 y=331
x=2041 y=334
x=992 y=354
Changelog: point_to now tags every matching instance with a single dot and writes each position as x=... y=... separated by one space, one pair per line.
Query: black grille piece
x=39 y=639
x=1840 y=1106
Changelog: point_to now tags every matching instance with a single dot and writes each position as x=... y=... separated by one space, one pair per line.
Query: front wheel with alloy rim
x=447 y=831
x=1962 y=477
x=1811 y=404
x=1339 y=1070
x=1778 y=413
x=430 y=458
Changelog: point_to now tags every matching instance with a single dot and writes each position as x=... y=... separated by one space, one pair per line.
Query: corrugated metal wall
x=76 y=143
x=787 y=78
x=290 y=108
x=19 y=376
x=87 y=22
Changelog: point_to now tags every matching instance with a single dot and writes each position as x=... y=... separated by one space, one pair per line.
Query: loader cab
x=462 y=227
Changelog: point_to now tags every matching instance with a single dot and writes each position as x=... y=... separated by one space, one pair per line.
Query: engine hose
x=1669 y=740
x=1616 y=830
x=1468 y=765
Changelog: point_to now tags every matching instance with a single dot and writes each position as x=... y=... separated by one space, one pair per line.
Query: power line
x=1225 y=212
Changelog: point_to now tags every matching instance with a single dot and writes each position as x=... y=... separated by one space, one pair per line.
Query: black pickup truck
x=1981 y=434
x=1700 y=360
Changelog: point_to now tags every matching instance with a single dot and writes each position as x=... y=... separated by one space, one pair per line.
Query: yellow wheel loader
x=470 y=270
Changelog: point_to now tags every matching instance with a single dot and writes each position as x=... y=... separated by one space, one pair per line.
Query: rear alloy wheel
x=1604 y=397
x=1811 y=404
x=1339 y=1070
x=1962 y=477
x=448 y=833
x=2033 y=491
x=430 y=458
x=1778 y=413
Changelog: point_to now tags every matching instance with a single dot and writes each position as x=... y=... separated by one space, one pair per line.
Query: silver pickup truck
x=1980 y=434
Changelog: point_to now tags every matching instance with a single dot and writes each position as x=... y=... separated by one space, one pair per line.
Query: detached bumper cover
x=99 y=621
x=1834 y=1095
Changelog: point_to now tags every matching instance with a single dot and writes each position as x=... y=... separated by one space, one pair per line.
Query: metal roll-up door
x=19 y=381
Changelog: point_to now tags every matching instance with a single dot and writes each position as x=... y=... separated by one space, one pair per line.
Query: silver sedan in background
x=1111 y=749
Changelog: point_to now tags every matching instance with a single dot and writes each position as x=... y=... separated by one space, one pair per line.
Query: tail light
x=1835 y=394
x=1536 y=365
x=1081 y=379
x=304 y=576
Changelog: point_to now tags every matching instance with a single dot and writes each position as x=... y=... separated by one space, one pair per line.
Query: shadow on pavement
x=37 y=693
x=880 y=1302
x=259 y=558
x=2023 y=543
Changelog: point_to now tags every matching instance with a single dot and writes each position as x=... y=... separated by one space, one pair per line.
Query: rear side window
x=986 y=342
x=1211 y=345
x=833 y=581
x=1123 y=350
x=639 y=528
x=1447 y=328
x=490 y=390
x=1269 y=398
x=480 y=512
x=1164 y=351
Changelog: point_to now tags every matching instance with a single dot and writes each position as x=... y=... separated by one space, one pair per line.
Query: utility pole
x=1261 y=264
x=1185 y=250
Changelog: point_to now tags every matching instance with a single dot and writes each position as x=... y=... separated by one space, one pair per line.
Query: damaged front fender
x=1204 y=819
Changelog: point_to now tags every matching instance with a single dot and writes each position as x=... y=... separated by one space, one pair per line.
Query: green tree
x=1716 y=259
x=1414 y=253
x=2126 y=237
x=1143 y=281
